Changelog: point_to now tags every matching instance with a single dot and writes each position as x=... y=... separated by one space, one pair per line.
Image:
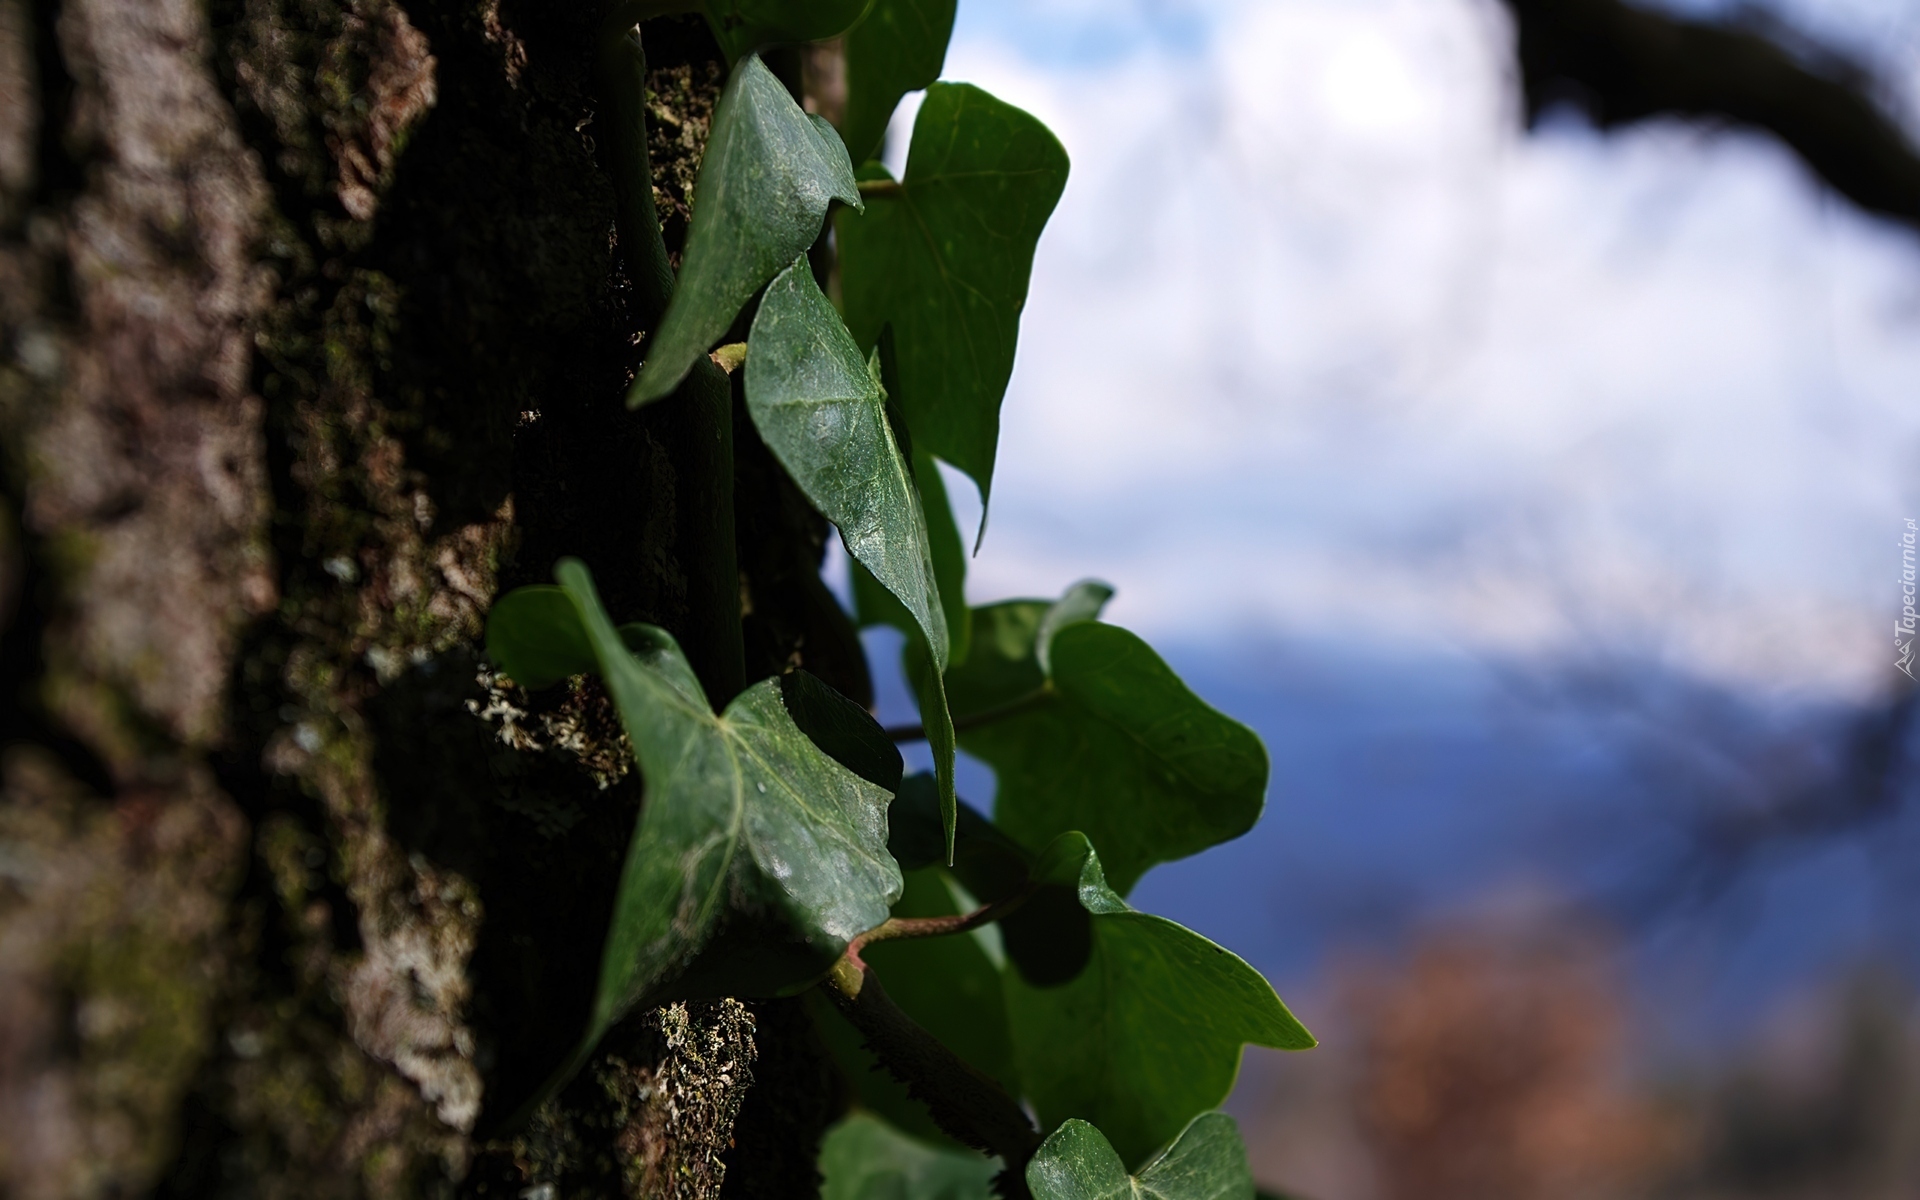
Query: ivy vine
x=992 y=965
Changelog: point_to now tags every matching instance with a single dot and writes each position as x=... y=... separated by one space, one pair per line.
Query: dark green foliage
x=874 y=605
x=943 y=258
x=745 y=25
x=769 y=174
x=899 y=48
x=742 y=811
x=1109 y=742
x=1149 y=1034
x=972 y=963
x=864 y=1159
x=951 y=985
x=822 y=412
x=846 y=732
x=1206 y=1162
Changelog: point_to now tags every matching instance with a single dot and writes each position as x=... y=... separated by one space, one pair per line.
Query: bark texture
x=315 y=337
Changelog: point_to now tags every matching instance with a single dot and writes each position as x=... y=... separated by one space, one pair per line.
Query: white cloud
x=1318 y=341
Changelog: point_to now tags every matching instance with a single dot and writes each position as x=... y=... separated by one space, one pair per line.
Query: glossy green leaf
x=1110 y=742
x=899 y=48
x=819 y=407
x=863 y=1158
x=874 y=605
x=742 y=811
x=1150 y=1032
x=744 y=25
x=821 y=410
x=534 y=636
x=944 y=257
x=1208 y=1161
x=769 y=174
x=844 y=731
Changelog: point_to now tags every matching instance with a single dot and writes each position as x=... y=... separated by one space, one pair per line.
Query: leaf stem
x=894 y=928
x=963 y=1100
x=622 y=85
x=881 y=187
x=986 y=716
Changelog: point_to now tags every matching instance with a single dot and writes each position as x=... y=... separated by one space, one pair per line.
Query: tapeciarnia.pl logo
x=1903 y=629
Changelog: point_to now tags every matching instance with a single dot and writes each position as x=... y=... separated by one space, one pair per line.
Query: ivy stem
x=986 y=716
x=697 y=425
x=894 y=928
x=880 y=187
x=963 y=1100
x=622 y=68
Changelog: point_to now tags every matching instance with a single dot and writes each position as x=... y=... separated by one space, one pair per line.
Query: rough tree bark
x=315 y=337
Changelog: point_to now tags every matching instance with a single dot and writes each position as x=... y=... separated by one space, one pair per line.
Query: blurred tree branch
x=1622 y=63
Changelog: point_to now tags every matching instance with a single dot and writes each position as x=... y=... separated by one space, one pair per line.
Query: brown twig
x=965 y=1102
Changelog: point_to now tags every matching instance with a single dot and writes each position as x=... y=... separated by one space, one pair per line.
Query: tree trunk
x=316 y=337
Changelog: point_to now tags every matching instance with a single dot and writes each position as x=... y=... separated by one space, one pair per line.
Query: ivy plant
x=990 y=967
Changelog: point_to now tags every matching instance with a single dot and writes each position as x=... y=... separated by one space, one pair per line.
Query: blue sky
x=1390 y=422
x=1321 y=345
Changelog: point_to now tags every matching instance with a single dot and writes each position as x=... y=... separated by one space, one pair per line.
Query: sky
x=1321 y=345
x=1401 y=430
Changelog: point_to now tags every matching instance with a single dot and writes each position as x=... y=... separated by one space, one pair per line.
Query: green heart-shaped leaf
x=742 y=810
x=899 y=48
x=1150 y=1032
x=1208 y=1161
x=819 y=407
x=821 y=410
x=1108 y=741
x=943 y=258
x=864 y=1158
x=743 y=25
x=769 y=174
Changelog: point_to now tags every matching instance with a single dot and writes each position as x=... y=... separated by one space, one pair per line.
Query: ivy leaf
x=742 y=811
x=1105 y=738
x=769 y=174
x=864 y=1158
x=1208 y=1161
x=1149 y=1034
x=821 y=410
x=899 y=48
x=743 y=25
x=944 y=257
x=987 y=862
x=874 y=605
x=534 y=636
x=844 y=731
